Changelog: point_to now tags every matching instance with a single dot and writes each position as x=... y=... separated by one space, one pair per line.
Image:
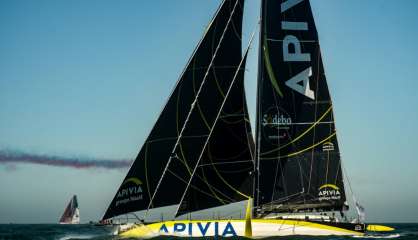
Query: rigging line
x=257 y=135
x=198 y=105
x=217 y=116
x=248 y=135
x=285 y=199
x=146 y=169
x=183 y=159
x=278 y=163
x=191 y=108
x=302 y=134
x=348 y=181
x=318 y=54
x=301 y=175
x=233 y=25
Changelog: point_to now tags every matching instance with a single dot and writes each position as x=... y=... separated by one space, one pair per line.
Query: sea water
x=405 y=231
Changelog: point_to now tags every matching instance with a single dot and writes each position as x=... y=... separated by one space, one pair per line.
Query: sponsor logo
x=292 y=51
x=277 y=125
x=276 y=120
x=358 y=228
x=329 y=192
x=328 y=146
x=200 y=229
x=130 y=190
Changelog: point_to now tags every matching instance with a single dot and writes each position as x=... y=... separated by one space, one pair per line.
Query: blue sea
x=74 y=232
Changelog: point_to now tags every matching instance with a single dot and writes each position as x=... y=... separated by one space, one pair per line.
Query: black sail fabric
x=69 y=211
x=299 y=161
x=138 y=187
x=224 y=174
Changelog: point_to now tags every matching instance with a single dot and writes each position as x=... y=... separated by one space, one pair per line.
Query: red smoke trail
x=11 y=157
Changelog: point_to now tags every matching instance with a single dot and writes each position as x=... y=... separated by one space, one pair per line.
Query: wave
x=380 y=236
x=84 y=236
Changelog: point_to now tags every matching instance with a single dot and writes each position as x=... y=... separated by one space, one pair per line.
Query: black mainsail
x=211 y=69
x=298 y=155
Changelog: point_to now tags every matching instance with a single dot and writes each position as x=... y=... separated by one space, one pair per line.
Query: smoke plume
x=11 y=158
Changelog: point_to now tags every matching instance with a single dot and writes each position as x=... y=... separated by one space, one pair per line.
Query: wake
x=380 y=236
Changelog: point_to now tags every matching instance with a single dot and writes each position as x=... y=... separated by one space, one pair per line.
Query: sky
x=85 y=80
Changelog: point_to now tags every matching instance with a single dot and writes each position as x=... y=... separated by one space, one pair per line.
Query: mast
x=258 y=119
x=298 y=155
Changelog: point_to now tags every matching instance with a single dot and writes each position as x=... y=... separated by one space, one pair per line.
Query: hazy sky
x=88 y=78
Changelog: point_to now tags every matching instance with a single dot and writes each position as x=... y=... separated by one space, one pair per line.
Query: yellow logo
x=329 y=186
x=329 y=192
x=129 y=193
x=134 y=180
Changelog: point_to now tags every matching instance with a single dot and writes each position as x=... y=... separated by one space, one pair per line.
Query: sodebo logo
x=276 y=120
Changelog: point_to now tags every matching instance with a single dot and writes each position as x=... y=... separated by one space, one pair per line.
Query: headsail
x=298 y=154
x=224 y=174
x=71 y=213
x=140 y=184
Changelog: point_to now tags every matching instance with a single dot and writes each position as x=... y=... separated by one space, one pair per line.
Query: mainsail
x=298 y=155
x=173 y=147
x=71 y=213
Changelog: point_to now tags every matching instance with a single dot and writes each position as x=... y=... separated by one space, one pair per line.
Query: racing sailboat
x=201 y=152
x=71 y=213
